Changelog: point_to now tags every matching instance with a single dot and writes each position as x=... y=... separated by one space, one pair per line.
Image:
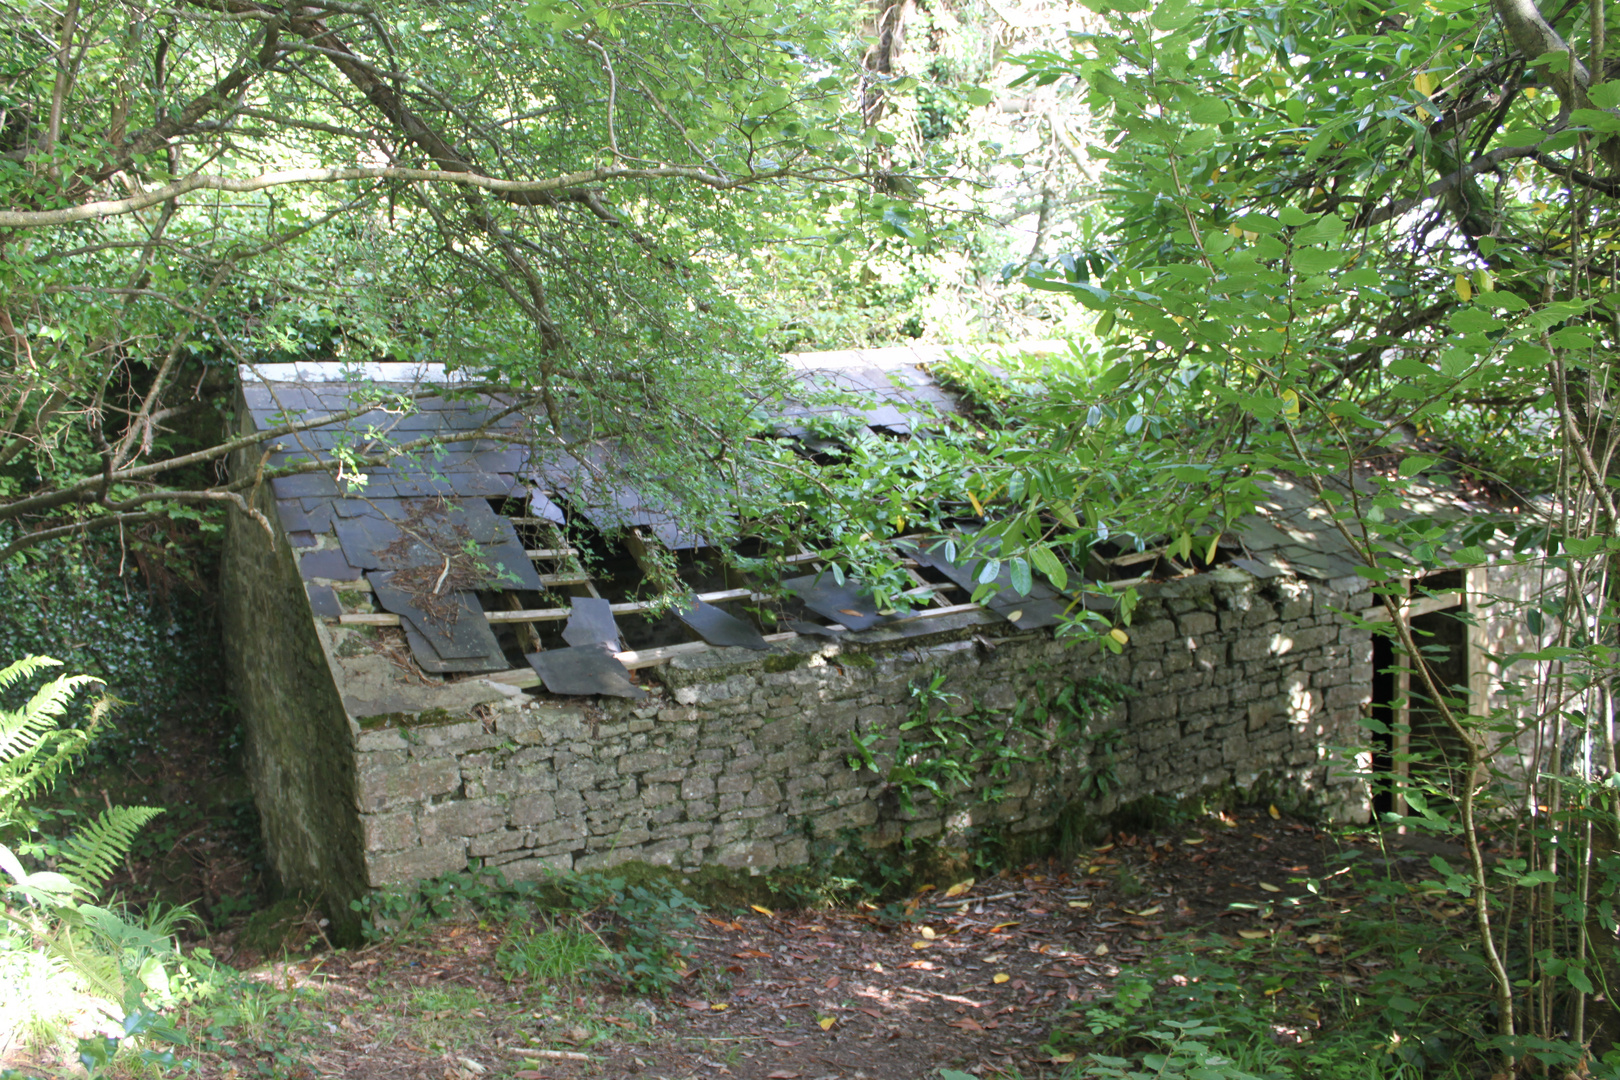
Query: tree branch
x=104 y=208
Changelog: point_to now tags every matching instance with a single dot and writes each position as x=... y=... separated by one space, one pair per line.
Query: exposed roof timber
x=635 y=660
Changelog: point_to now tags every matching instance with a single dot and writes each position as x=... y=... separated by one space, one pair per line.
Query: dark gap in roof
x=616 y=574
x=701 y=573
x=643 y=630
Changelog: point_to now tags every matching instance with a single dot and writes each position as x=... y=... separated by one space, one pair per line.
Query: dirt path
x=967 y=979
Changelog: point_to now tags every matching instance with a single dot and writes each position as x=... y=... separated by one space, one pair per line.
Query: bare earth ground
x=972 y=982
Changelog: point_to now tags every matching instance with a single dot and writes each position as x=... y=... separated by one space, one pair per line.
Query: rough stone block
x=531 y=809
x=752 y=855
x=464 y=817
x=414 y=864
x=499 y=842
x=388 y=738
x=538 y=868
x=390 y=778
x=388 y=832
x=564 y=830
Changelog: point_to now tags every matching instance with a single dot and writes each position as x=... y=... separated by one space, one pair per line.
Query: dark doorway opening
x=1382 y=713
x=1410 y=738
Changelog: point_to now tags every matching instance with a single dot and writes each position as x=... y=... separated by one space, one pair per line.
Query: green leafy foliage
x=64 y=948
x=952 y=749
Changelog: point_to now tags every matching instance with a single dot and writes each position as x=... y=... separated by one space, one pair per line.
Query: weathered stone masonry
x=1237 y=685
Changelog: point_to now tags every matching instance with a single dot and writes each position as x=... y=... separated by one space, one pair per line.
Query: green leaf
x=1413 y=464
x=1169 y=15
x=1023 y=581
x=1047 y=563
x=1605 y=95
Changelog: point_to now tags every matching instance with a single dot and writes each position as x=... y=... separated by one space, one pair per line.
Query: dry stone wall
x=742 y=760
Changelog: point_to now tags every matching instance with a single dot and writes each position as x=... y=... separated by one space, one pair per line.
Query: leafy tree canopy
x=537 y=193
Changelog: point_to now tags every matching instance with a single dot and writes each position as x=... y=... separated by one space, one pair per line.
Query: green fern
x=91 y=855
x=50 y=918
x=34 y=750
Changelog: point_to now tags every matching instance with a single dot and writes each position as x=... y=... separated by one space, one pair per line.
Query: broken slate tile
x=304 y=485
x=466 y=635
x=1032 y=614
x=323 y=601
x=592 y=623
x=542 y=507
x=329 y=564
x=584 y=669
x=292 y=515
x=848 y=604
x=720 y=628
x=301 y=539
x=429 y=660
x=510 y=566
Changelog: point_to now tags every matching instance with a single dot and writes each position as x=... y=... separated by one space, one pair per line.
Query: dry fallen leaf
x=765 y=911
x=1000 y=926
x=919 y=944
x=1269 y=887
x=784 y=1043
x=783 y=1074
x=1062 y=1059
x=1080 y=903
x=719 y=1007
x=928 y=933
x=1145 y=912
x=1251 y=935
x=832 y=983
x=1100 y=950
x=1000 y=977
x=827 y=1022
x=1192 y=840
x=959 y=888
x=1105 y=849
x=1272 y=810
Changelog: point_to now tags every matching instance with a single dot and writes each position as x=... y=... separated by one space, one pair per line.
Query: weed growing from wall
x=948 y=750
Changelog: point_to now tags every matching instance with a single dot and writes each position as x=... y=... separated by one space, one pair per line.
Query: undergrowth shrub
x=637 y=934
x=62 y=955
x=1379 y=983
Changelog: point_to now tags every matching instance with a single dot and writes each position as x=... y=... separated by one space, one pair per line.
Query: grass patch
x=448 y=1017
x=562 y=952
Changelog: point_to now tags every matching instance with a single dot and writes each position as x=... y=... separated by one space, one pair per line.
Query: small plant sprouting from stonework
x=944 y=749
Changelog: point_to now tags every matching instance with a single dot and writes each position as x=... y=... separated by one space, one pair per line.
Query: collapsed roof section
x=445 y=516
x=461 y=526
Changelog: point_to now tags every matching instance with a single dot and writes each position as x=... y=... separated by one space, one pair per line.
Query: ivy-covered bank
x=754 y=761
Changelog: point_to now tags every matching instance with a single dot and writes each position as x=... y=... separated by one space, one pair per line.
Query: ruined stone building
x=432 y=673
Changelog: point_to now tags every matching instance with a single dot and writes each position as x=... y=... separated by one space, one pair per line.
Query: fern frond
x=24 y=668
x=35 y=768
x=24 y=728
x=76 y=947
x=92 y=853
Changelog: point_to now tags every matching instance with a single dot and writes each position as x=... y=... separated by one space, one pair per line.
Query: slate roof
x=423 y=535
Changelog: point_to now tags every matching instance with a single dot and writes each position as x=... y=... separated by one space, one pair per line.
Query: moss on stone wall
x=300 y=749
